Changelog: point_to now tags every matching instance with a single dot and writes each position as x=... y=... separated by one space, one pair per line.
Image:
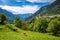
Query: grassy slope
x=7 y=34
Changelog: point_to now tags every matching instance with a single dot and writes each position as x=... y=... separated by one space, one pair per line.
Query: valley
x=24 y=21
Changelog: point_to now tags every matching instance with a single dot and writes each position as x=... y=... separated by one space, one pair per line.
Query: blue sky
x=23 y=6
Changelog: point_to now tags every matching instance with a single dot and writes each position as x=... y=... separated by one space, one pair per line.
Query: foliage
x=17 y=22
x=20 y=24
x=38 y=24
x=43 y=24
x=54 y=26
x=11 y=27
x=32 y=24
x=3 y=19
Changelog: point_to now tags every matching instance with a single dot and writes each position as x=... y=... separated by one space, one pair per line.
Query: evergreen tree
x=3 y=19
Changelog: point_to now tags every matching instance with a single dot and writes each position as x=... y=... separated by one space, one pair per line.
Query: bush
x=43 y=24
x=12 y=27
x=54 y=26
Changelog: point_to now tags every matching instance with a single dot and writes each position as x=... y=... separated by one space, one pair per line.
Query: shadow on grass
x=57 y=35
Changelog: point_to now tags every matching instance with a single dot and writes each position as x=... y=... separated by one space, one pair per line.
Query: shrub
x=54 y=26
x=43 y=24
x=12 y=27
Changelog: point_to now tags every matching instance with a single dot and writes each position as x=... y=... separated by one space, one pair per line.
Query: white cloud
x=21 y=10
x=40 y=0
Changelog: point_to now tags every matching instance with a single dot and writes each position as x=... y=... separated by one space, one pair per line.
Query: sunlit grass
x=7 y=34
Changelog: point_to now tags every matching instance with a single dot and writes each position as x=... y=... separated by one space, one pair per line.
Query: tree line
x=44 y=25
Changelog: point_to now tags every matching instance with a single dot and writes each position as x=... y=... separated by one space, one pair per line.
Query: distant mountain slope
x=51 y=9
x=24 y=16
x=9 y=15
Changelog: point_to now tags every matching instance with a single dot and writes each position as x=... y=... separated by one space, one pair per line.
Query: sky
x=23 y=6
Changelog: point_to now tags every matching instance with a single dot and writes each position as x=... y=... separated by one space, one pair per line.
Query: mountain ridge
x=11 y=16
x=51 y=9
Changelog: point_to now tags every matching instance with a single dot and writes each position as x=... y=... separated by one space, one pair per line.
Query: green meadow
x=7 y=34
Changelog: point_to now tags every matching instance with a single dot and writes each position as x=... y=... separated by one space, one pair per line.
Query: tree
x=17 y=22
x=43 y=24
x=32 y=24
x=39 y=24
x=54 y=26
x=3 y=19
x=20 y=24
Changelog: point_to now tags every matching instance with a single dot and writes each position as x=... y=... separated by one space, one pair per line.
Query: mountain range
x=51 y=9
x=11 y=16
x=48 y=10
x=23 y=16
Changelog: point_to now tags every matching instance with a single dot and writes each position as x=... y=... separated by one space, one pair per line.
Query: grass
x=8 y=34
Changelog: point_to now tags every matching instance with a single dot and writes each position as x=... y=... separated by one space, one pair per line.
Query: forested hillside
x=43 y=25
x=48 y=10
